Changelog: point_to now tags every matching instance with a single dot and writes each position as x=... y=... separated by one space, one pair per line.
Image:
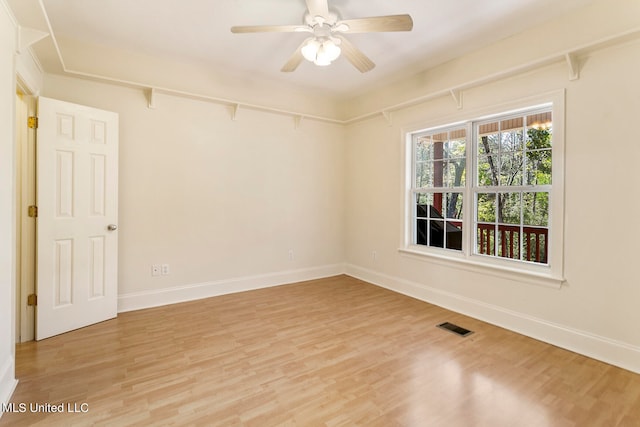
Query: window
x=484 y=191
x=440 y=166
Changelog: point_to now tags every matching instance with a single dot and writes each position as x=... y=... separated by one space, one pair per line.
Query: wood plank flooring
x=330 y=352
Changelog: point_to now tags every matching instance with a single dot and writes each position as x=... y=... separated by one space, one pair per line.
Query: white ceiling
x=198 y=31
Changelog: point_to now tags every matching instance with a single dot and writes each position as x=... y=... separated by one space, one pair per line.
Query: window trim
x=547 y=275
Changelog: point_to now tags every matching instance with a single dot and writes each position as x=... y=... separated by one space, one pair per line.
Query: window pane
x=455 y=173
x=454 y=235
x=535 y=244
x=485 y=239
x=453 y=205
x=539 y=138
x=438 y=146
x=509 y=241
x=538 y=167
x=424 y=174
x=422 y=231
x=453 y=211
x=486 y=207
x=423 y=149
x=437 y=234
x=509 y=208
x=511 y=124
x=485 y=171
x=488 y=143
x=536 y=209
x=512 y=140
x=437 y=207
x=511 y=168
x=542 y=120
x=423 y=201
x=455 y=148
x=438 y=173
x=535 y=230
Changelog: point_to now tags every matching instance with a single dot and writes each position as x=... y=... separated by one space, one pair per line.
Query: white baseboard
x=8 y=382
x=597 y=347
x=154 y=298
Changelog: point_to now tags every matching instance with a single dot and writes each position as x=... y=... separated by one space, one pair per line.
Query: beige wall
x=218 y=199
x=596 y=310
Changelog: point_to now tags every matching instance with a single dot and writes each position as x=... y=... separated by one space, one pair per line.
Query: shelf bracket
x=151 y=98
x=456 y=94
x=234 y=111
x=297 y=120
x=387 y=117
x=574 y=66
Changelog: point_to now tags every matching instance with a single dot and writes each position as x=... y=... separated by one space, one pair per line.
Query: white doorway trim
x=25 y=226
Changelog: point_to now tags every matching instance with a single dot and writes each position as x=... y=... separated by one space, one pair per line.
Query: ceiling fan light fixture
x=330 y=49
x=310 y=49
x=320 y=52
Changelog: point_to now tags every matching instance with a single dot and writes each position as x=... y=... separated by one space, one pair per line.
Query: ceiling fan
x=326 y=42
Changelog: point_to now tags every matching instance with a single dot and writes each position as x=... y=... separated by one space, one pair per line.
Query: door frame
x=25 y=226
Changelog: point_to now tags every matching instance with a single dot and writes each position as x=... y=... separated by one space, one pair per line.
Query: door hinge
x=32 y=211
x=32 y=122
x=32 y=300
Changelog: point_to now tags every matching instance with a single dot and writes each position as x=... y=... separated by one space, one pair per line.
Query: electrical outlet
x=374 y=255
x=155 y=270
x=164 y=268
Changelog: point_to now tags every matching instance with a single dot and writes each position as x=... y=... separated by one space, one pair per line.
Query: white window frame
x=551 y=274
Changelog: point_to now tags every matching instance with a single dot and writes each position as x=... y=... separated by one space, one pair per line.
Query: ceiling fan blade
x=295 y=60
x=318 y=8
x=355 y=56
x=378 y=24
x=269 y=29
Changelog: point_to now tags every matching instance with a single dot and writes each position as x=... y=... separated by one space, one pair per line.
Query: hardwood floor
x=330 y=352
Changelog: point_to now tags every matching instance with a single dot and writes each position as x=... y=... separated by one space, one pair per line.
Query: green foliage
x=539 y=156
x=487 y=207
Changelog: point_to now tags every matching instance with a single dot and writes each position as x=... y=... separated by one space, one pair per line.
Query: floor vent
x=455 y=329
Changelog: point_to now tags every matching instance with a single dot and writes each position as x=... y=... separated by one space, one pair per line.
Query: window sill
x=464 y=263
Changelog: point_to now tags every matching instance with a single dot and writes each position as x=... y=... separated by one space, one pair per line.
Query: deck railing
x=534 y=245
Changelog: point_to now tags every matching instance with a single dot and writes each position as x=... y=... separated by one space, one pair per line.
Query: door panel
x=77 y=190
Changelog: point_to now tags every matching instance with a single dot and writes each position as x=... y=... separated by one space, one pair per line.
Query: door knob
x=112 y=227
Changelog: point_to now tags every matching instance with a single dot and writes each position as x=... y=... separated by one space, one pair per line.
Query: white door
x=77 y=193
